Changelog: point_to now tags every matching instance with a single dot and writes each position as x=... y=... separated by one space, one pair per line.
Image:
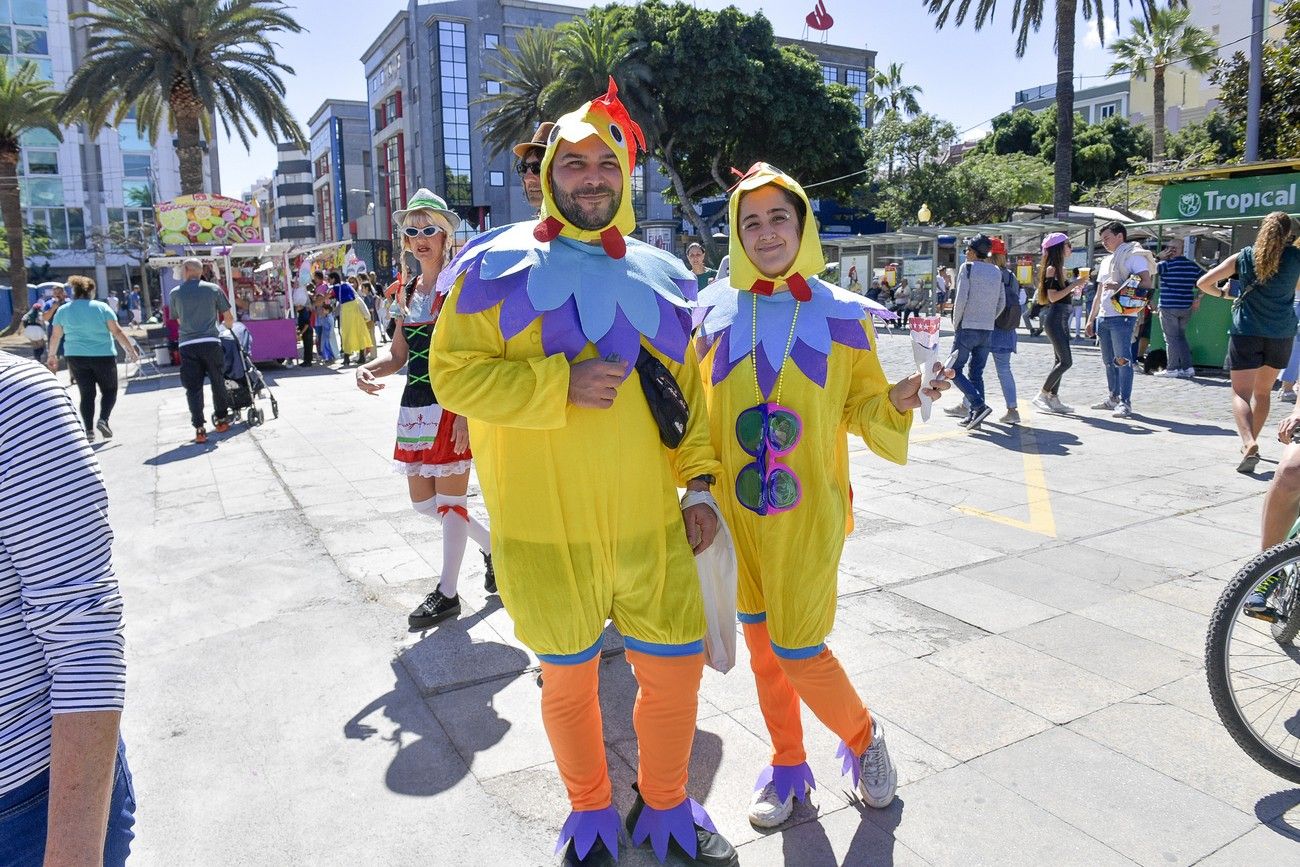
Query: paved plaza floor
x=1025 y=608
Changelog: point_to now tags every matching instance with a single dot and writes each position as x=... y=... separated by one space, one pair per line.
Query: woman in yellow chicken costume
x=583 y=495
x=790 y=370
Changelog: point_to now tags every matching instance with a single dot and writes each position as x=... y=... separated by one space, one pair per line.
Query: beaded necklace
x=753 y=353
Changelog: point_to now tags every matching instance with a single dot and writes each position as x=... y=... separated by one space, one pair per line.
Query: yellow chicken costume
x=585 y=516
x=789 y=371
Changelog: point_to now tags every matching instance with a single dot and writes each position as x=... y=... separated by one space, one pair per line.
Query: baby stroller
x=244 y=382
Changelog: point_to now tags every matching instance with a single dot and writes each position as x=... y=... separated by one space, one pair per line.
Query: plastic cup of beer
x=1085 y=273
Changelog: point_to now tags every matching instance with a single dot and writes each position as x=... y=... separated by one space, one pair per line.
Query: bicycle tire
x=1226 y=612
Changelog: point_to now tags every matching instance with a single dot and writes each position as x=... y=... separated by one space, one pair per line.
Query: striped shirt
x=1178 y=278
x=61 y=646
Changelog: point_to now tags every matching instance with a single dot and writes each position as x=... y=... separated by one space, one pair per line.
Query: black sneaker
x=1257 y=602
x=597 y=856
x=90 y=434
x=711 y=848
x=104 y=429
x=977 y=417
x=490 y=576
x=433 y=610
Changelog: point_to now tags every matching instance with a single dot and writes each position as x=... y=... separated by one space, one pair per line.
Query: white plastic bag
x=716 y=565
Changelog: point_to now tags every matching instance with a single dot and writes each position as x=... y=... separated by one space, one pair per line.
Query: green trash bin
x=1207 y=333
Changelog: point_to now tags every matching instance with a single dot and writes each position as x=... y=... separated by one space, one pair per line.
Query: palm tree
x=182 y=62
x=26 y=103
x=592 y=50
x=1026 y=18
x=889 y=93
x=525 y=74
x=1164 y=39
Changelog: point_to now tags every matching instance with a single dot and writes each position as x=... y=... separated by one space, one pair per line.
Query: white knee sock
x=455 y=531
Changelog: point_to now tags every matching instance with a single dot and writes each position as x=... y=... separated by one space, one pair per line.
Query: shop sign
x=1234 y=197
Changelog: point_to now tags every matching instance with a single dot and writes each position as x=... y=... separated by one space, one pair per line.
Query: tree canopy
x=1279 y=120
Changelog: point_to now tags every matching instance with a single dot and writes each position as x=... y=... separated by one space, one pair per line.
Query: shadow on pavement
x=1119 y=425
x=139 y=384
x=1272 y=811
x=1026 y=440
x=1185 y=429
x=191 y=449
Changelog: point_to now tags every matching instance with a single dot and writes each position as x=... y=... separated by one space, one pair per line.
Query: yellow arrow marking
x=1041 y=520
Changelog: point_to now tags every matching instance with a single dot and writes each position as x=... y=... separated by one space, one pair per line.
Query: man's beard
x=574 y=214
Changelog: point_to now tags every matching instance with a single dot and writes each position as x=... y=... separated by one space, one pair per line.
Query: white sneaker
x=1187 y=372
x=879 y=780
x=1287 y=397
x=767 y=810
x=1055 y=401
x=1122 y=410
x=961 y=410
x=1011 y=416
x=1170 y=373
x=1041 y=403
x=1108 y=403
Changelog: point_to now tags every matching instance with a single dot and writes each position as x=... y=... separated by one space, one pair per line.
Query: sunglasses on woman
x=426 y=231
x=528 y=168
x=767 y=432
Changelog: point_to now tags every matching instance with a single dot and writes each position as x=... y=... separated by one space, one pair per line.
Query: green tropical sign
x=1231 y=197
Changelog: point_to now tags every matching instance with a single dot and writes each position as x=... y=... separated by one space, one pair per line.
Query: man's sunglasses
x=426 y=231
x=528 y=168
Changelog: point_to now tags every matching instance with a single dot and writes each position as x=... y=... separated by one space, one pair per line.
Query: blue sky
x=967 y=77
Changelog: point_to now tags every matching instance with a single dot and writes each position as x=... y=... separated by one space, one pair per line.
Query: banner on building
x=205 y=220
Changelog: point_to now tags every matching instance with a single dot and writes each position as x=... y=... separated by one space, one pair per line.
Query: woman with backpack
x=1263 y=323
x=1055 y=293
x=1003 y=342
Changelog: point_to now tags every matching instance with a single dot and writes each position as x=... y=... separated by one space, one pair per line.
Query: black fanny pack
x=667 y=404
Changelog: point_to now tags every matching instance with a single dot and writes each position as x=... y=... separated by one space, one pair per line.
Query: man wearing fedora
x=529 y=167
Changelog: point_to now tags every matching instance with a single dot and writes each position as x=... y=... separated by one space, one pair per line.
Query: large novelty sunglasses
x=767 y=432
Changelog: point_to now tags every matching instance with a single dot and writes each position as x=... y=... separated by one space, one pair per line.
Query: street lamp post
x=923 y=216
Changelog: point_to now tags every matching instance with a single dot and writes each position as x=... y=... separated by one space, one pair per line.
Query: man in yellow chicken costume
x=790 y=369
x=535 y=345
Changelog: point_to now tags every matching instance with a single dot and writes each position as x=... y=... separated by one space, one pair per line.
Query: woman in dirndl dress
x=432 y=448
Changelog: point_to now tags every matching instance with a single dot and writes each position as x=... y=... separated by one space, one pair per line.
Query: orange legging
x=822 y=684
x=664 y=718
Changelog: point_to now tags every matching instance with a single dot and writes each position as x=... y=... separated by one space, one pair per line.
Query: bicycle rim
x=1262 y=674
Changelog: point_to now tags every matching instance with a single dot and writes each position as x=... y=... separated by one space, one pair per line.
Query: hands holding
x=701 y=526
x=460 y=435
x=594 y=383
x=1287 y=428
x=906 y=393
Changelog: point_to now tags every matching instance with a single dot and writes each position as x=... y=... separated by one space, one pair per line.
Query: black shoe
x=977 y=417
x=597 y=856
x=490 y=576
x=433 y=610
x=711 y=848
x=104 y=429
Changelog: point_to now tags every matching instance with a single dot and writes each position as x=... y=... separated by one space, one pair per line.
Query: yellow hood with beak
x=607 y=119
x=808 y=263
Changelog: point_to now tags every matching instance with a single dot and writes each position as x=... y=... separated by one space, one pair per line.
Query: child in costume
x=535 y=346
x=432 y=448
x=789 y=370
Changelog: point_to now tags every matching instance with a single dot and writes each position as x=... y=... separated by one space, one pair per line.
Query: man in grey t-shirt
x=197 y=305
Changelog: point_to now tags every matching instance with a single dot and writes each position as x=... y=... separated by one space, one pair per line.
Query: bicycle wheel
x=1254 y=678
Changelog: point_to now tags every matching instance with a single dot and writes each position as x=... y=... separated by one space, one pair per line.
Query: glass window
x=497 y=179
x=1109 y=109
x=6 y=40
x=130 y=139
x=830 y=74
x=42 y=162
x=136 y=165
x=31 y=12
x=38 y=138
x=137 y=194
x=31 y=42
x=77 y=229
x=489 y=40
x=493 y=87
x=41 y=192
x=44 y=67
x=857 y=78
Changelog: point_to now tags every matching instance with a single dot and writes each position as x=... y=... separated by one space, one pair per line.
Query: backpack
x=1009 y=318
x=32 y=317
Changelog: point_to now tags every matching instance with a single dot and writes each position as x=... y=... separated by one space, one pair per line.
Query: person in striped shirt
x=65 y=789
x=1177 y=302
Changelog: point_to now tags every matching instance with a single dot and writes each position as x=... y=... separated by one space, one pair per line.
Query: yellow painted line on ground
x=1041 y=519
